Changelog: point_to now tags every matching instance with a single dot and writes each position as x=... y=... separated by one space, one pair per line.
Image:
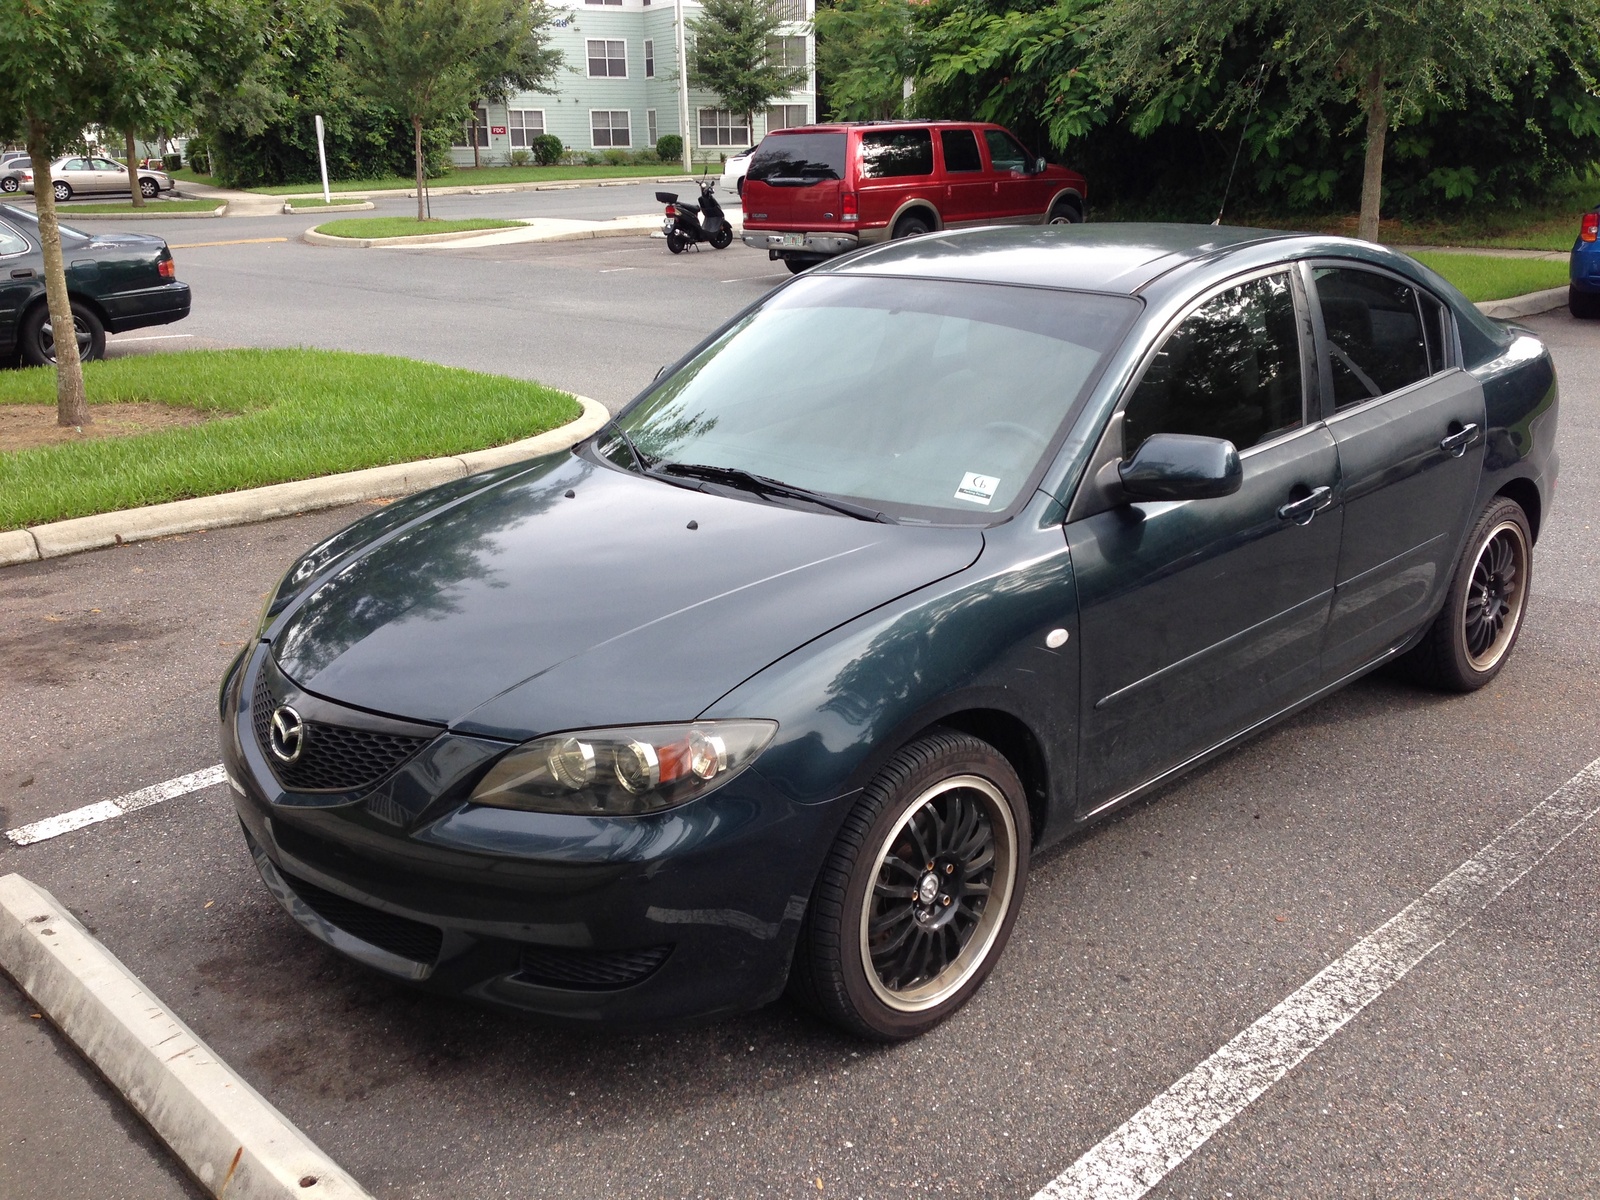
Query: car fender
x=909 y=204
x=1066 y=193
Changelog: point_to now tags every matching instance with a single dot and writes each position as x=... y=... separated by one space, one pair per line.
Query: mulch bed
x=29 y=426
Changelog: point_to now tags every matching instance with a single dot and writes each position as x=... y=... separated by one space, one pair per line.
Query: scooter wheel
x=722 y=238
x=676 y=242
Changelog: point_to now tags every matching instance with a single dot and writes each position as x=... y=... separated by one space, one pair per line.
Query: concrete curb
x=283 y=499
x=328 y=208
x=220 y=211
x=313 y=238
x=1527 y=305
x=227 y=1135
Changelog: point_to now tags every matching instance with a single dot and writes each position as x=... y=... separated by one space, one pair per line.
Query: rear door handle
x=1456 y=443
x=1301 y=511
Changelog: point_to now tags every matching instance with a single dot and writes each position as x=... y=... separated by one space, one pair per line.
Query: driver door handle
x=1456 y=443
x=1302 y=510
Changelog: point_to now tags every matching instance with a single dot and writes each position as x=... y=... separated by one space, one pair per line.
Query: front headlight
x=623 y=772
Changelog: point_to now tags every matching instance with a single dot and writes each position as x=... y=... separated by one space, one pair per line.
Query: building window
x=474 y=131
x=650 y=124
x=719 y=127
x=608 y=59
x=792 y=10
x=610 y=127
x=525 y=125
x=649 y=58
x=786 y=116
x=786 y=51
x=612 y=3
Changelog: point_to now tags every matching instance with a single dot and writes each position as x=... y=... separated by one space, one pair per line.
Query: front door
x=1200 y=618
x=968 y=191
x=1409 y=426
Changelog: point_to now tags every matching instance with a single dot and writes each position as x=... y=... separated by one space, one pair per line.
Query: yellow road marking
x=235 y=242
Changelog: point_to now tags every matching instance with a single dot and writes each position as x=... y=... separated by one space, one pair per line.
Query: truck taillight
x=167 y=268
x=848 y=208
x=1591 y=226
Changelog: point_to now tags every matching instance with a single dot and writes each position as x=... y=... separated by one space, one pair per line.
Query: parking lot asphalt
x=1143 y=945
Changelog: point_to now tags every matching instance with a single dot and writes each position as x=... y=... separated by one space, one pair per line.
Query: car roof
x=1116 y=257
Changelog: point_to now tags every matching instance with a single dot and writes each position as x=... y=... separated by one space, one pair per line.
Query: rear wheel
x=912 y=225
x=721 y=239
x=1472 y=638
x=1583 y=305
x=738 y=186
x=676 y=242
x=796 y=265
x=38 y=336
x=9 y=184
x=917 y=898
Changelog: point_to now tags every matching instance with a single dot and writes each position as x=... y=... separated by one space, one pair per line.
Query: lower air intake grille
x=589 y=970
x=333 y=758
x=409 y=939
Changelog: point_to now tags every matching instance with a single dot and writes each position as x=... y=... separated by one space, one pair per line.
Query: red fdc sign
x=498 y=130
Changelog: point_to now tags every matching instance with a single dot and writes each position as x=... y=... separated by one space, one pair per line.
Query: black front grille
x=589 y=970
x=333 y=758
x=410 y=939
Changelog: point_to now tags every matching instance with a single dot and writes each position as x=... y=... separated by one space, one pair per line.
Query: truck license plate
x=794 y=239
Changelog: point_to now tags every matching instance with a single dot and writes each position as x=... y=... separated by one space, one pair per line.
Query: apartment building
x=619 y=87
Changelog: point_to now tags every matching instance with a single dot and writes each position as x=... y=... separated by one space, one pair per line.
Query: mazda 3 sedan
x=915 y=567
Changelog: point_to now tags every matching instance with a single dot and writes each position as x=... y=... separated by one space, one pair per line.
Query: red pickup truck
x=820 y=190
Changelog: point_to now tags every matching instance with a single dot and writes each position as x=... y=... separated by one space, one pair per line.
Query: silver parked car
x=12 y=167
x=87 y=175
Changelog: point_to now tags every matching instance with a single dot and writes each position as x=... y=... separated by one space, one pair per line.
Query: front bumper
x=827 y=244
x=638 y=921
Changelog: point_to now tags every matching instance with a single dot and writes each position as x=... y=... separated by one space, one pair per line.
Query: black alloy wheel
x=912 y=225
x=149 y=189
x=38 y=339
x=62 y=191
x=918 y=896
x=1472 y=638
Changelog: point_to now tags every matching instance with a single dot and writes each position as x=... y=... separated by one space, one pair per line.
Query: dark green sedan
x=117 y=282
x=923 y=562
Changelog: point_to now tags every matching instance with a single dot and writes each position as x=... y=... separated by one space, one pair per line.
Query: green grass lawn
x=299 y=414
x=461 y=177
x=150 y=206
x=382 y=227
x=1486 y=277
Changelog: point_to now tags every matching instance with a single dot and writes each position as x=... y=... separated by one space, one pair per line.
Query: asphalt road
x=1143 y=945
x=596 y=317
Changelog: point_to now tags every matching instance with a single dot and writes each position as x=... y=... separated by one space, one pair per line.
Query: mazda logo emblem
x=288 y=735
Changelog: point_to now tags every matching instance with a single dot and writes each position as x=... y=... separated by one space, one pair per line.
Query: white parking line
x=89 y=814
x=1178 y=1122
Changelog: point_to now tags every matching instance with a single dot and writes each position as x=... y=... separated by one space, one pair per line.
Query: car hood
x=575 y=594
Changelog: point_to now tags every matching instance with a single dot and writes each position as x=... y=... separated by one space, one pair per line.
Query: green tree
x=431 y=59
x=67 y=64
x=732 y=56
x=865 y=54
x=1392 y=61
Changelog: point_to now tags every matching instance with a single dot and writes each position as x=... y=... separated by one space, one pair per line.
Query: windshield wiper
x=761 y=485
x=641 y=460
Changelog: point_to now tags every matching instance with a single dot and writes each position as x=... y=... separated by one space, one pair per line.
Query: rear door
x=1409 y=426
x=895 y=165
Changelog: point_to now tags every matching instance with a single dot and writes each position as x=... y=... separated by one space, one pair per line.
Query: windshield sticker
x=977 y=488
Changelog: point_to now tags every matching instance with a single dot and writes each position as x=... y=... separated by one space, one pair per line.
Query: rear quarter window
x=892 y=153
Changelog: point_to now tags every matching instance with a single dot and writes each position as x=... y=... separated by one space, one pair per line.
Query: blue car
x=924 y=562
x=1583 y=293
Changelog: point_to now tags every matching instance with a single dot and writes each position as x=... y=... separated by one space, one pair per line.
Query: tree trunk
x=71 y=406
x=133 y=174
x=1372 y=99
x=416 y=129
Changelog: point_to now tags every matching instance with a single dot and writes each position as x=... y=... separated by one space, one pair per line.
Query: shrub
x=199 y=155
x=669 y=146
x=172 y=162
x=616 y=158
x=519 y=158
x=547 y=149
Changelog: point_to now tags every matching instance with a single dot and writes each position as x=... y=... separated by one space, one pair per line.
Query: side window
x=11 y=242
x=1230 y=370
x=960 y=150
x=74 y=164
x=1005 y=152
x=1375 y=339
x=895 y=152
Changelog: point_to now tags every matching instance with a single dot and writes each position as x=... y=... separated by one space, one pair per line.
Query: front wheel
x=1471 y=639
x=62 y=191
x=38 y=337
x=676 y=242
x=917 y=898
x=149 y=189
x=1064 y=213
x=721 y=239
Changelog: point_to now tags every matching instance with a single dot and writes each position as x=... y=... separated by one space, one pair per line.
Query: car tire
x=1471 y=639
x=676 y=241
x=912 y=225
x=1583 y=305
x=797 y=265
x=10 y=184
x=721 y=239
x=37 y=340
x=890 y=947
x=738 y=186
x=149 y=189
x=1064 y=212
x=63 y=192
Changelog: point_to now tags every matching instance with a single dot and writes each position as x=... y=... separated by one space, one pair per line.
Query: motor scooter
x=683 y=225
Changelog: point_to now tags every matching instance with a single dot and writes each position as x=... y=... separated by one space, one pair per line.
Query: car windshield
x=926 y=400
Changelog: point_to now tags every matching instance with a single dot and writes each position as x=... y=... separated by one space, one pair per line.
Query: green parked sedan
x=117 y=281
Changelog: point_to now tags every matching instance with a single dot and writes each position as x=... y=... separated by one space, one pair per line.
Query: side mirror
x=1179 y=466
x=1039 y=165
